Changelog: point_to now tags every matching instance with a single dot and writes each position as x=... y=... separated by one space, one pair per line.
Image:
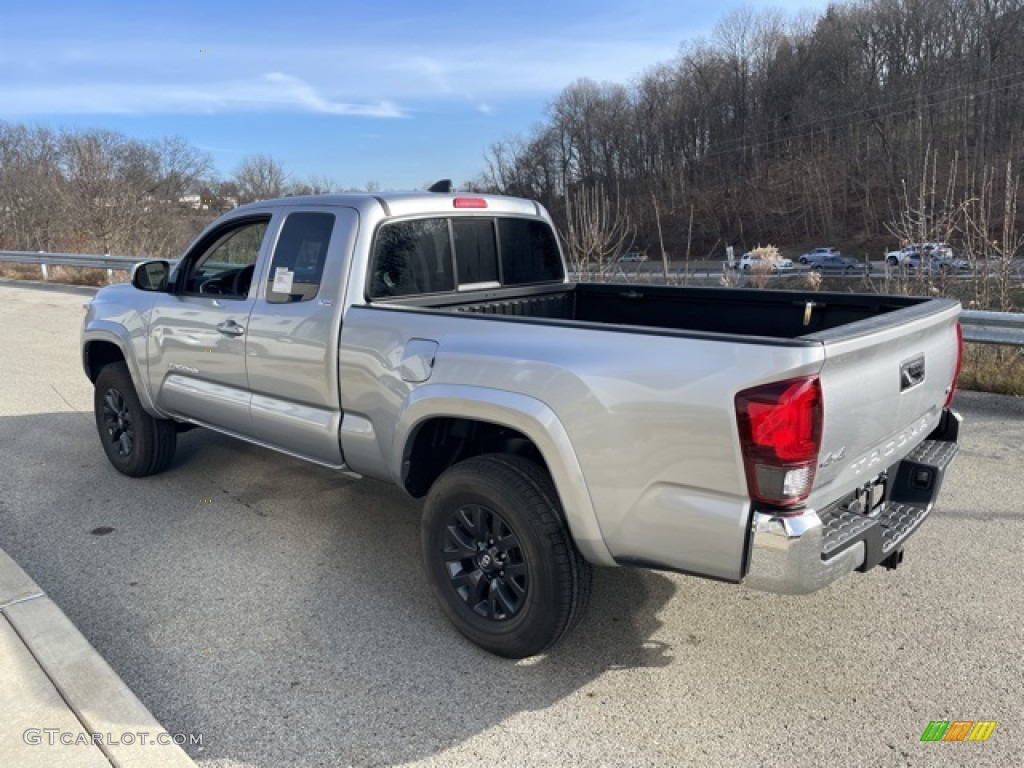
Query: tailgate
x=884 y=383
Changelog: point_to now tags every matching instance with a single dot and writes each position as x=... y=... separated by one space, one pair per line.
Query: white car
x=936 y=251
x=633 y=256
x=752 y=263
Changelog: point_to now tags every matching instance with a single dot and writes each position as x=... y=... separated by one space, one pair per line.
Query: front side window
x=226 y=262
x=298 y=264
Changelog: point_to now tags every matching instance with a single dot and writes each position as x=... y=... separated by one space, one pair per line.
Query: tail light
x=780 y=434
x=956 y=369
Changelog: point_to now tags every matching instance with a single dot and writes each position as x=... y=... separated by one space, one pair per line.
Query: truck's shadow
x=279 y=609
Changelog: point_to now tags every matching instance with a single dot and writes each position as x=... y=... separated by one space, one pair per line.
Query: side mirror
x=151 y=275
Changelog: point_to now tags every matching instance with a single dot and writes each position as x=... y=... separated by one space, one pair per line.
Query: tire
x=513 y=599
x=136 y=443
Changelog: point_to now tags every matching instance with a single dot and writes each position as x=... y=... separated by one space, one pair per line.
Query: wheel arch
x=443 y=424
x=97 y=354
x=104 y=345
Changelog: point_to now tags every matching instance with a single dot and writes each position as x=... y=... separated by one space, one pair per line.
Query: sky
x=399 y=93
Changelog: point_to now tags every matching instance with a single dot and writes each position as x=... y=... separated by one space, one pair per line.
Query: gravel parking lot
x=278 y=611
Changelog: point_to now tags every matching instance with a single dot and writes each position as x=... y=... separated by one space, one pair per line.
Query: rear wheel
x=499 y=558
x=136 y=443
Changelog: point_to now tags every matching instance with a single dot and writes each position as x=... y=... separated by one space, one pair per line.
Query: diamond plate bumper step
x=915 y=484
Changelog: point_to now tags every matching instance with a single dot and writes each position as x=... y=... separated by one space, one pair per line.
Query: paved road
x=277 y=610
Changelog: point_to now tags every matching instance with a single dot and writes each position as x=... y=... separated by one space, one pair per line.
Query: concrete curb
x=61 y=704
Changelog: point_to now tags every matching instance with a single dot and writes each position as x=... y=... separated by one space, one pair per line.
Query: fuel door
x=418 y=360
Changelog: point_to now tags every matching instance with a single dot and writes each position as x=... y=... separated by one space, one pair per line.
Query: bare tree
x=315 y=185
x=597 y=229
x=260 y=177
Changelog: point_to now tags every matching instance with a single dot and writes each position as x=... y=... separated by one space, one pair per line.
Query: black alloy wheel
x=485 y=562
x=499 y=557
x=118 y=422
x=136 y=443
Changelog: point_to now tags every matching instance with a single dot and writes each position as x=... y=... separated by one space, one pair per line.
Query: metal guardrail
x=979 y=326
x=45 y=260
x=993 y=327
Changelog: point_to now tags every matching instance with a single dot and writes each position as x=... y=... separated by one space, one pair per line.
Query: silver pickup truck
x=435 y=341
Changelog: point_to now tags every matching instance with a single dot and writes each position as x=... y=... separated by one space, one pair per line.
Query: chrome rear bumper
x=807 y=551
x=786 y=555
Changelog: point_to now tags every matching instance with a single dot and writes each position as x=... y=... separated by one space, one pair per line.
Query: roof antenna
x=444 y=186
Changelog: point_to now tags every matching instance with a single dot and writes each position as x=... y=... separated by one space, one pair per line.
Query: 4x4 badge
x=832 y=458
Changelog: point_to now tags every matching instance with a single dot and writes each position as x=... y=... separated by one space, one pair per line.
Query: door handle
x=231 y=328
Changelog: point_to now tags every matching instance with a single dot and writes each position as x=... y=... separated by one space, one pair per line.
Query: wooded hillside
x=880 y=120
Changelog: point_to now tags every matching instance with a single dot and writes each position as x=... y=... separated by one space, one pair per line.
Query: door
x=292 y=339
x=197 y=332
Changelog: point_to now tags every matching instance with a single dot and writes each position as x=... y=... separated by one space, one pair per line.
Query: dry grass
x=992 y=368
x=68 y=275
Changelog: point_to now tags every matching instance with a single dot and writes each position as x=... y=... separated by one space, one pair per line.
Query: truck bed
x=760 y=313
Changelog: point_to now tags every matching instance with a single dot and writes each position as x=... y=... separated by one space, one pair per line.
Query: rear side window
x=437 y=255
x=298 y=264
x=412 y=257
x=529 y=253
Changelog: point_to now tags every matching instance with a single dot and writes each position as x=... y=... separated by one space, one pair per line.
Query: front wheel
x=136 y=443
x=499 y=558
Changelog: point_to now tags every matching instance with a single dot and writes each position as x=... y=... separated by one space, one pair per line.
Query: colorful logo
x=958 y=730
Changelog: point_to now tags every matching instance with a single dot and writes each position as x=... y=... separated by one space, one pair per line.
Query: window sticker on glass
x=283 y=280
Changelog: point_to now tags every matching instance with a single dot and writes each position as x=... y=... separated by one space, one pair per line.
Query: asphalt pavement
x=276 y=613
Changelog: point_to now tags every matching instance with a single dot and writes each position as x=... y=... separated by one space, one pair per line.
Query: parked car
x=895 y=258
x=818 y=254
x=843 y=264
x=915 y=262
x=939 y=251
x=752 y=263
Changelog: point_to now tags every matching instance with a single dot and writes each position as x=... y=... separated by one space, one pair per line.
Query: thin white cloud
x=433 y=71
x=155 y=76
x=271 y=92
x=421 y=58
x=301 y=93
x=385 y=80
